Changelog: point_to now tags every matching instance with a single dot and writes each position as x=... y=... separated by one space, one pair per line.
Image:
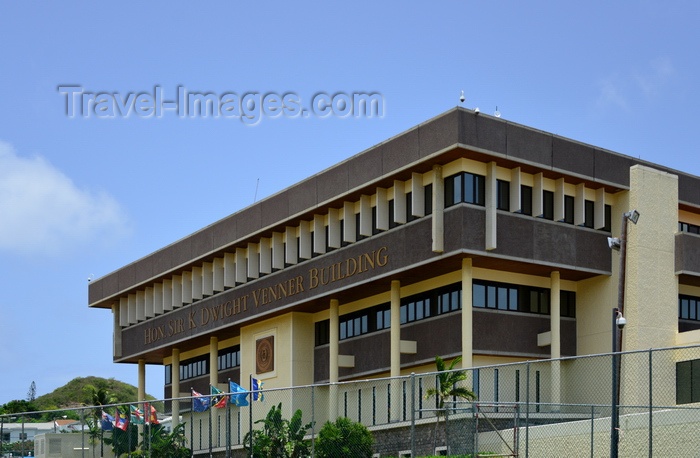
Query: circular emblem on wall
x=265 y=355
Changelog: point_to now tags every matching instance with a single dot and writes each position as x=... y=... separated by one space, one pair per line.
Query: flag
x=239 y=394
x=199 y=402
x=151 y=416
x=256 y=388
x=121 y=422
x=218 y=400
x=107 y=422
x=136 y=415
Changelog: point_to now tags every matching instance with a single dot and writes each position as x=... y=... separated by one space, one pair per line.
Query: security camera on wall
x=614 y=243
x=621 y=321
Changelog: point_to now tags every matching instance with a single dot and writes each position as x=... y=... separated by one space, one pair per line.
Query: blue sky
x=85 y=195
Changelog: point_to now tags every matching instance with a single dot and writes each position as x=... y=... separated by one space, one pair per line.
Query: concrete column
x=141 y=389
x=334 y=339
x=175 y=384
x=555 y=330
x=490 y=204
x=142 y=380
x=395 y=333
x=438 y=218
x=213 y=360
x=395 y=328
x=555 y=313
x=117 y=315
x=333 y=360
x=467 y=313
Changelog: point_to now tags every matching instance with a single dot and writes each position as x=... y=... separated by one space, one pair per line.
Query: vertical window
x=313 y=244
x=526 y=200
x=392 y=220
x=502 y=303
x=409 y=207
x=569 y=209
x=474 y=189
x=323 y=332
x=589 y=212
x=374 y=221
x=342 y=234
x=608 y=218
x=428 y=194
x=168 y=374
x=548 y=204
x=479 y=295
x=503 y=195
x=567 y=304
x=453 y=190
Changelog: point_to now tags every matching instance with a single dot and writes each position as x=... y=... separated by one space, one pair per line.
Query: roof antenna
x=255 y=198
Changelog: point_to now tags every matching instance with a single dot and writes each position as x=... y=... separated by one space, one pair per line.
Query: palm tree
x=98 y=397
x=446 y=386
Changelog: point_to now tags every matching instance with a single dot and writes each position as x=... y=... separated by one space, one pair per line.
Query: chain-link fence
x=539 y=408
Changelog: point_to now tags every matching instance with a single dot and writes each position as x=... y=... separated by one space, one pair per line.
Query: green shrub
x=344 y=438
x=279 y=438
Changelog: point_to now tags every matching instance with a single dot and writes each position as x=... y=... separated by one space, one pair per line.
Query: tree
x=31 y=394
x=344 y=438
x=446 y=381
x=19 y=406
x=279 y=438
x=97 y=397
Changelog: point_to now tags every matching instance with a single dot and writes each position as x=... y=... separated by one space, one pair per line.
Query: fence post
x=527 y=409
x=592 y=427
x=313 y=422
x=82 y=431
x=413 y=414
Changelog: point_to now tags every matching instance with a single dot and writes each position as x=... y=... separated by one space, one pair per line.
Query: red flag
x=121 y=422
x=151 y=415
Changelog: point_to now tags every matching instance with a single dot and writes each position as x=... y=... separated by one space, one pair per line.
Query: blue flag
x=239 y=394
x=257 y=390
x=107 y=422
x=199 y=402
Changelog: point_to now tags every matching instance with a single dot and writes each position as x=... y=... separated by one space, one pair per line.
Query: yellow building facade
x=466 y=236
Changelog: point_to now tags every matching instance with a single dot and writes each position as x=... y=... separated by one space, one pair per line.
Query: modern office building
x=466 y=235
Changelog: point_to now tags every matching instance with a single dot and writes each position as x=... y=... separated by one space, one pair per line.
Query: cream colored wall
x=651 y=302
x=595 y=299
x=294 y=345
x=652 y=286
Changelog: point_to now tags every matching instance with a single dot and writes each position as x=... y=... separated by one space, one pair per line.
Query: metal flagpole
x=192 y=422
x=250 y=416
x=211 y=407
x=228 y=422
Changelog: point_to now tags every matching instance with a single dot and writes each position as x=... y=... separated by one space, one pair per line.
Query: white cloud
x=43 y=211
x=632 y=90
x=610 y=94
x=651 y=81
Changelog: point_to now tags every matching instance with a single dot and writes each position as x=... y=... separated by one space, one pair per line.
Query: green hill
x=73 y=393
